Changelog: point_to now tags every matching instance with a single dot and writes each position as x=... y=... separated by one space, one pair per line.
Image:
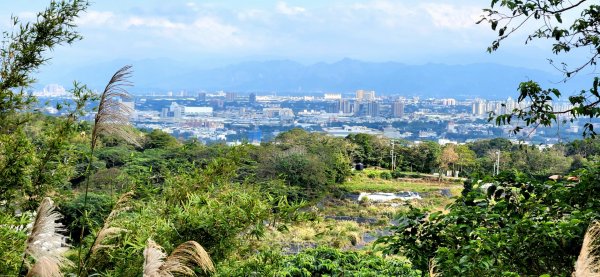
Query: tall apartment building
x=370 y=108
x=201 y=96
x=479 y=107
x=347 y=106
x=230 y=96
x=398 y=109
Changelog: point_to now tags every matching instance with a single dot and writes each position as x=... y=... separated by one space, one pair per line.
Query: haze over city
x=188 y=36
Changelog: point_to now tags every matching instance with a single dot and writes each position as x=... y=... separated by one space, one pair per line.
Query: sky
x=216 y=33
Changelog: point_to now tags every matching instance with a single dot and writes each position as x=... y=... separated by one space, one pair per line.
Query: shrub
x=386 y=175
x=415 y=175
x=13 y=235
x=514 y=227
x=398 y=174
x=372 y=175
x=98 y=207
x=321 y=261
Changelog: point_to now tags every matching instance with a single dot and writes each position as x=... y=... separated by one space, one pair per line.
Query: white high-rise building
x=479 y=107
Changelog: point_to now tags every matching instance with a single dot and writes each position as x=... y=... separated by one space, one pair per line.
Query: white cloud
x=452 y=17
x=95 y=18
x=153 y=23
x=387 y=7
x=206 y=32
x=353 y=28
x=283 y=8
x=253 y=15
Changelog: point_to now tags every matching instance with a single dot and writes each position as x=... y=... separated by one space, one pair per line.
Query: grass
x=339 y=234
x=346 y=234
x=361 y=182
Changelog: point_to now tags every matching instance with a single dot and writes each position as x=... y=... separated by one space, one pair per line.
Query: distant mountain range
x=347 y=75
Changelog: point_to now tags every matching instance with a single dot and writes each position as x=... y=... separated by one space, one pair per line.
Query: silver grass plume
x=44 y=267
x=107 y=231
x=113 y=116
x=45 y=244
x=157 y=264
x=588 y=263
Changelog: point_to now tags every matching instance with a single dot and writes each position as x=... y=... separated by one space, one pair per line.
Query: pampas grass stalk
x=157 y=264
x=107 y=231
x=112 y=117
x=588 y=262
x=45 y=244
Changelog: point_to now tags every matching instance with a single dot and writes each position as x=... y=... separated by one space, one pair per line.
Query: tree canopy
x=572 y=28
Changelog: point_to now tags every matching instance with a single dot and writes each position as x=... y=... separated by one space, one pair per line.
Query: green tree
x=482 y=147
x=23 y=166
x=159 y=139
x=370 y=150
x=466 y=159
x=566 y=34
x=23 y=52
x=426 y=156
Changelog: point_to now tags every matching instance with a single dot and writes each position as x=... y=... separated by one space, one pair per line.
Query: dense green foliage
x=578 y=31
x=514 y=226
x=322 y=261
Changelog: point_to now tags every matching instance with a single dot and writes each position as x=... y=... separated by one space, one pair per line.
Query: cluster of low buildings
x=235 y=117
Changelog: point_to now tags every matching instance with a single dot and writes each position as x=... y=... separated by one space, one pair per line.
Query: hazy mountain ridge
x=347 y=75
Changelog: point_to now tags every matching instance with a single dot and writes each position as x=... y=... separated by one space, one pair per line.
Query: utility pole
x=393 y=163
x=497 y=163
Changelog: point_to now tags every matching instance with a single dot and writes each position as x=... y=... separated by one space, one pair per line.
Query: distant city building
x=52 y=90
x=449 y=102
x=443 y=141
x=332 y=96
x=451 y=128
x=201 y=96
x=333 y=107
x=252 y=98
x=371 y=109
x=363 y=95
x=176 y=110
x=478 y=107
x=198 y=110
x=346 y=130
x=278 y=112
x=427 y=134
x=398 y=109
x=230 y=96
x=347 y=106
x=219 y=103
